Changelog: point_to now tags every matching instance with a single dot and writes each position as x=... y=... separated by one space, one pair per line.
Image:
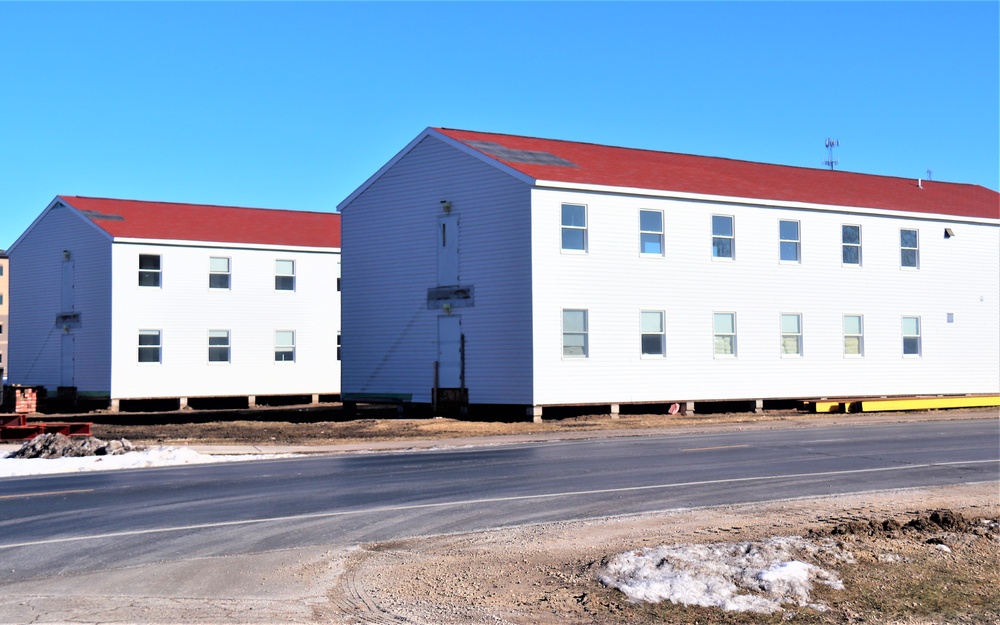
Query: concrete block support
x=535 y=412
x=114 y=405
x=251 y=401
x=758 y=406
x=315 y=398
x=615 y=409
x=689 y=407
x=182 y=403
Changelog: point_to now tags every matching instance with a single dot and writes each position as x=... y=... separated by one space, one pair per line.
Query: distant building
x=130 y=300
x=4 y=312
x=492 y=269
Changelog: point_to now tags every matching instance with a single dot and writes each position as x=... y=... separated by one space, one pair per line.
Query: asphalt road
x=67 y=524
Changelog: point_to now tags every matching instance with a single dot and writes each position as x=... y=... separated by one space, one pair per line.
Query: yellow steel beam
x=929 y=403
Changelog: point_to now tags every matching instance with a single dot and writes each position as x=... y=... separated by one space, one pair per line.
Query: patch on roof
x=99 y=215
x=519 y=156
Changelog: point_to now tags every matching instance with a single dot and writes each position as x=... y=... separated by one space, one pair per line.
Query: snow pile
x=149 y=457
x=738 y=577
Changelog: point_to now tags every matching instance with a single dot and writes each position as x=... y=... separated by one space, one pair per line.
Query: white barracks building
x=492 y=269
x=129 y=300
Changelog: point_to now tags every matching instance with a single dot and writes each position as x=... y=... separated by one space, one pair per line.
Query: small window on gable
x=284 y=275
x=149 y=270
x=789 y=244
x=574 y=227
x=909 y=250
x=723 y=237
x=651 y=232
x=218 y=273
x=284 y=346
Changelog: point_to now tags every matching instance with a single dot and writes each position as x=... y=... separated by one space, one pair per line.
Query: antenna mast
x=830 y=144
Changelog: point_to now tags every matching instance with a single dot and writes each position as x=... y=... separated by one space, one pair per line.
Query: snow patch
x=150 y=457
x=737 y=577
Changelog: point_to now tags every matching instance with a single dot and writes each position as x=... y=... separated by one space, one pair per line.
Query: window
x=338 y=345
x=284 y=275
x=149 y=346
x=854 y=335
x=788 y=235
x=284 y=346
x=851 y=238
x=909 y=251
x=791 y=334
x=723 y=239
x=1 y=270
x=725 y=334
x=218 y=273
x=911 y=336
x=218 y=346
x=149 y=270
x=574 y=227
x=653 y=338
x=1 y=328
x=575 y=333
x=651 y=232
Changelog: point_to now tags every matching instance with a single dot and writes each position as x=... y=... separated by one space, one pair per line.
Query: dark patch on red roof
x=685 y=173
x=135 y=219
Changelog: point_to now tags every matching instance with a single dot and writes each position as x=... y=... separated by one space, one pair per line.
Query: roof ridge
x=719 y=158
x=250 y=208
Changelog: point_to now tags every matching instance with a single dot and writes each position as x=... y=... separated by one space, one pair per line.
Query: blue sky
x=295 y=105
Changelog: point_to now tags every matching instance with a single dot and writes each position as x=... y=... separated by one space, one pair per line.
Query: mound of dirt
x=61 y=446
x=936 y=521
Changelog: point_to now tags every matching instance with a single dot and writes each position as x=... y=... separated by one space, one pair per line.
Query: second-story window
x=651 y=232
x=149 y=270
x=788 y=233
x=851 y=239
x=218 y=273
x=723 y=237
x=574 y=227
x=284 y=275
x=909 y=250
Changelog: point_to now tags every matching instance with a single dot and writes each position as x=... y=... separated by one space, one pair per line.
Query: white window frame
x=278 y=276
x=917 y=337
x=720 y=237
x=214 y=272
x=915 y=249
x=149 y=347
x=228 y=345
x=583 y=332
x=786 y=334
x=717 y=335
x=284 y=348
x=660 y=335
x=157 y=273
x=646 y=234
x=573 y=228
x=844 y=246
x=795 y=243
x=860 y=336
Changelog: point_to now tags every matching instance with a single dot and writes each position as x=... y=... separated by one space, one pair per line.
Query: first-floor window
x=911 y=336
x=338 y=345
x=218 y=346
x=725 y=334
x=284 y=346
x=575 y=333
x=149 y=346
x=791 y=335
x=854 y=335
x=653 y=339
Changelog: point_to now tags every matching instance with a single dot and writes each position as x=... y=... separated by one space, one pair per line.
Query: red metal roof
x=685 y=173
x=136 y=219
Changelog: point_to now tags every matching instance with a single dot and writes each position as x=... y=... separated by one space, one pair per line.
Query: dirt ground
x=898 y=572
